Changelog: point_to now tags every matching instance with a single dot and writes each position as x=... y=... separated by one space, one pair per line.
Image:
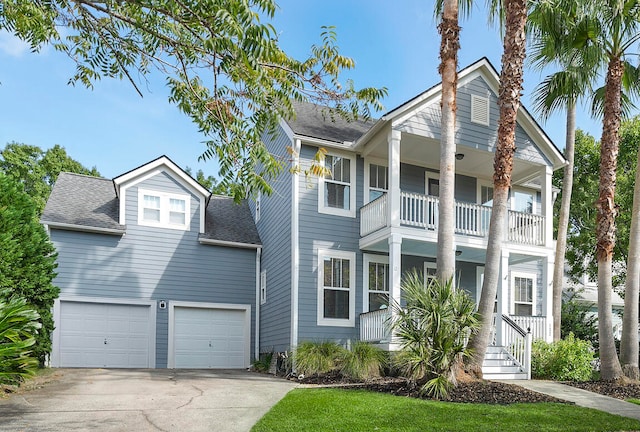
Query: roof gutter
x=344 y=145
x=84 y=228
x=213 y=242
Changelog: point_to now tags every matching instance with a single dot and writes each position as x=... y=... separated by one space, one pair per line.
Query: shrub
x=432 y=330
x=577 y=319
x=317 y=357
x=569 y=359
x=18 y=327
x=363 y=361
x=263 y=363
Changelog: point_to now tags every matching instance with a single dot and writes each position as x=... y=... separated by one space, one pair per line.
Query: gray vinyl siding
x=327 y=232
x=274 y=228
x=154 y=263
x=427 y=123
x=412 y=179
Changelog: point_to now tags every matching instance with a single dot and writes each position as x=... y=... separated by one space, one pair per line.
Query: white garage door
x=210 y=338
x=104 y=335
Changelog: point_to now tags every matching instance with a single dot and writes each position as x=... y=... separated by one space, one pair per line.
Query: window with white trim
x=163 y=209
x=523 y=293
x=263 y=287
x=523 y=201
x=376 y=282
x=378 y=181
x=336 y=288
x=429 y=272
x=336 y=194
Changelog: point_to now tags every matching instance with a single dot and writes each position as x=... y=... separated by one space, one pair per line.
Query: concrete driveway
x=144 y=400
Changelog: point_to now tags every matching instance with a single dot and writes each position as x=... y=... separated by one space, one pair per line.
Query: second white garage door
x=210 y=337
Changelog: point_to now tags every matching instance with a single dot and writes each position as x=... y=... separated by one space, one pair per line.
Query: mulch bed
x=475 y=391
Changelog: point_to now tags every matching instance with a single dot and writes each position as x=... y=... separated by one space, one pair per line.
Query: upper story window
x=486 y=195
x=336 y=194
x=163 y=209
x=523 y=201
x=378 y=181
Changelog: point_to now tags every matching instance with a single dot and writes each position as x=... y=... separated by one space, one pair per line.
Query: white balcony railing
x=374 y=326
x=421 y=211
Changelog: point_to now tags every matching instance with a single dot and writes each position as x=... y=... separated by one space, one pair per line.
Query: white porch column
x=547 y=296
x=395 y=272
x=547 y=205
x=393 y=203
x=502 y=296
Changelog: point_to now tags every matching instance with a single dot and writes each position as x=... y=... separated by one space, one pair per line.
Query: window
x=336 y=288
x=429 y=272
x=263 y=287
x=376 y=282
x=480 y=110
x=523 y=201
x=378 y=181
x=486 y=195
x=163 y=210
x=336 y=194
x=523 y=293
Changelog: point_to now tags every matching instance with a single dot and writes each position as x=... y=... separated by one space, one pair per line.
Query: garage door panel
x=104 y=335
x=209 y=337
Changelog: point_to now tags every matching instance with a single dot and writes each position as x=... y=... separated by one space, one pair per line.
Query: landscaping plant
x=363 y=361
x=18 y=326
x=568 y=359
x=313 y=358
x=432 y=329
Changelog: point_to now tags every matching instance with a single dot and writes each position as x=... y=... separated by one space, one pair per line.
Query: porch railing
x=374 y=326
x=517 y=342
x=536 y=324
x=421 y=211
x=373 y=215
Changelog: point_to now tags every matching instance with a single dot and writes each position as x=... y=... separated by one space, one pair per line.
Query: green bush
x=18 y=327
x=263 y=363
x=568 y=359
x=363 y=361
x=317 y=357
x=432 y=329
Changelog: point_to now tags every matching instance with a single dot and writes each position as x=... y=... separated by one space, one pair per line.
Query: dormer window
x=165 y=210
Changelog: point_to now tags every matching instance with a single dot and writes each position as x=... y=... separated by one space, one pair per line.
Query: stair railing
x=517 y=342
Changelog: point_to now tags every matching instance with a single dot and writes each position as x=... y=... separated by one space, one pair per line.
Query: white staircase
x=499 y=364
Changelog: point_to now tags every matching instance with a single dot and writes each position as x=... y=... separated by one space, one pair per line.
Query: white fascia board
x=84 y=228
x=287 y=129
x=213 y=242
x=345 y=145
x=168 y=164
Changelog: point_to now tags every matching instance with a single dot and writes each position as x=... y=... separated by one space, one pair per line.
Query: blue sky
x=395 y=44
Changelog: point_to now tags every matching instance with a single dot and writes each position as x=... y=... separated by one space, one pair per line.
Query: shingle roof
x=83 y=200
x=315 y=121
x=91 y=202
x=227 y=221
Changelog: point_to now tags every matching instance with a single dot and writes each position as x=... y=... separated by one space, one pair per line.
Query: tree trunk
x=629 y=342
x=563 y=220
x=449 y=46
x=515 y=12
x=605 y=221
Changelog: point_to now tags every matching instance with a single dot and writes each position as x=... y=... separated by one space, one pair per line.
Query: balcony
x=421 y=211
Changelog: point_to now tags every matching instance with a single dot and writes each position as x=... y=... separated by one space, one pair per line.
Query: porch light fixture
x=458 y=252
x=459 y=156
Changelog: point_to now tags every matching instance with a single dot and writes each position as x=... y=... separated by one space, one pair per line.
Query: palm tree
x=515 y=18
x=449 y=46
x=604 y=36
x=547 y=27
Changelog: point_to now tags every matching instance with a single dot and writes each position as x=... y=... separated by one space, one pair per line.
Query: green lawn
x=354 y=410
x=634 y=401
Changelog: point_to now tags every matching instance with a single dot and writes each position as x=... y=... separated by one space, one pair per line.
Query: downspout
x=256 y=348
x=295 y=255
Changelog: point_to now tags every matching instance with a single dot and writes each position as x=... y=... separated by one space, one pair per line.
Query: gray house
x=153 y=270
x=335 y=248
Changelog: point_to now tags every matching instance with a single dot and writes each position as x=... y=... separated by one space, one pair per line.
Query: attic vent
x=480 y=110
